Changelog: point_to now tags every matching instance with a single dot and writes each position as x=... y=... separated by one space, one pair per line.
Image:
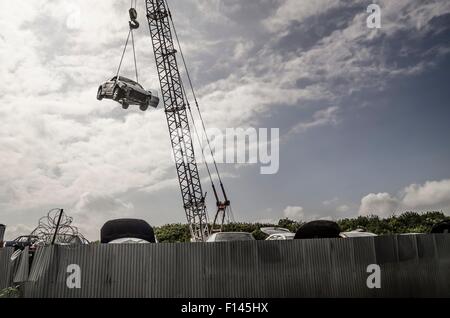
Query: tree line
x=409 y=222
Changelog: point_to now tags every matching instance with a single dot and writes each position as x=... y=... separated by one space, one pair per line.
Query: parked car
x=357 y=233
x=127 y=92
x=318 y=229
x=127 y=231
x=277 y=233
x=21 y=242
x=230 y=237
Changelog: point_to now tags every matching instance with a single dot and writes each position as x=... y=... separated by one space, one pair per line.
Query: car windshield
x=228 y=237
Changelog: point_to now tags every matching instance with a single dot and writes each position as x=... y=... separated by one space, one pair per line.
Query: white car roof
x=357 y=234
x=285 y=235
x=274 y=230
x=213 y=237
x=129 y=240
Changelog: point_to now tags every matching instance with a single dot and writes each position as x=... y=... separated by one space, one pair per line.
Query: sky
x=363 y=114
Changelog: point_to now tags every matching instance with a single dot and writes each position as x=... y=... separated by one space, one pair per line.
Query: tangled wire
x=67 y=233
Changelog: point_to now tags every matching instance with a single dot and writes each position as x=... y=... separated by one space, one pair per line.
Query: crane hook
x=134 y=24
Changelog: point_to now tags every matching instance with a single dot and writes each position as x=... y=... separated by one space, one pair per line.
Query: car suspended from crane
x=124 y=90
x=180 y=119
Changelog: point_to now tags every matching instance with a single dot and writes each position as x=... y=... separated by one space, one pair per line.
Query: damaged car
x=127 y=92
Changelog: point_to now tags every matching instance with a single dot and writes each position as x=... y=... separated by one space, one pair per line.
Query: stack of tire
x=127 y=228
x=442 y=227
x=318 y=230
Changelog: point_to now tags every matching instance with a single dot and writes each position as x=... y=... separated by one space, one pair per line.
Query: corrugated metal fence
x=2 y=232
x=6 y=268
x=411 y=266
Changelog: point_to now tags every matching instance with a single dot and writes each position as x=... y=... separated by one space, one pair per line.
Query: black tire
x=99 y=94
x=143 y=107
x=125 y=106
x=117 y=93
x=318 y=229
x=442 y=227
x=127 y=228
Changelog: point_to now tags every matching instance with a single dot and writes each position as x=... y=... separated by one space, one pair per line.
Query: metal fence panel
x=412 y=266
x=23 y=267
x=6 y=268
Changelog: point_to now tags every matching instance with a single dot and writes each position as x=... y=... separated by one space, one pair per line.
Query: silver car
x=230 y=237
x=127 y=92
x=357 y=233
x=277 y=234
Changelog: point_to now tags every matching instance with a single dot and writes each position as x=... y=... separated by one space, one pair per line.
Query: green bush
x=10 y=292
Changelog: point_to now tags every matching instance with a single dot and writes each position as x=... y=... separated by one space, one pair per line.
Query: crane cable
x=197 y=135
x=134 y=53
x=130 y=33
x=195 y=97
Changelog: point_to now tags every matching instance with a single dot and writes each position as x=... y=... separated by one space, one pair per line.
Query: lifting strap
x=133 y=24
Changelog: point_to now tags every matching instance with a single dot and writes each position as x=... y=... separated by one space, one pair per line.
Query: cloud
x=330 y=202
x=320 y=118
x=93 y=210
x=247 y=60
x=343 y=208
x=295 y=213
x=431 y=196
x=14 y=231
x=291 y=11
x=381 y=204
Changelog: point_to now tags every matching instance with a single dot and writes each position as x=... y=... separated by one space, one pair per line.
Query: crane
x=179 y=113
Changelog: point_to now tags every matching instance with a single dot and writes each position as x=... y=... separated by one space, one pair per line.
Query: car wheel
x=143 y=107
x=99 y=94
x=125 y=105
x=117 y=94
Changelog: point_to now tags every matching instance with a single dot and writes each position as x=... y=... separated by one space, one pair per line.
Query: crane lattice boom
x=175 y=104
